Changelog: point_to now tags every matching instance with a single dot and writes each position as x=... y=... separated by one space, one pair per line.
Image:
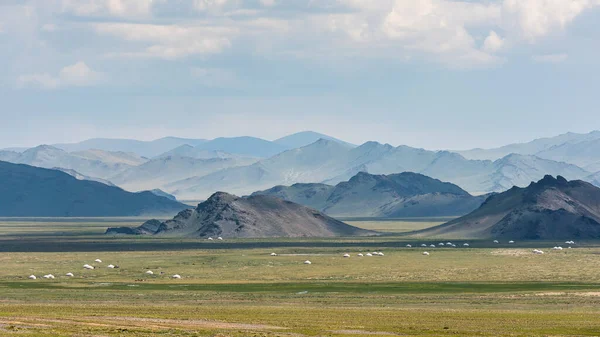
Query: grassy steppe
x=234 y=288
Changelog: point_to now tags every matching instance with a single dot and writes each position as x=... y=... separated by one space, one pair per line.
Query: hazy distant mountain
x=245 y=146
x=585 y=154
x=88 y=163
x=542 y=148
x=237 y=180
x=229 y=216
x=80 y=176
x=147 y=149
x=128 y=158
x=594 y=179
x=518 y=170
x=34 y=192
x=330 y=162
x=304 y=138
x=396 y=195
x=9 y=156
x=194 y=152
x=159 y=172
x=551 y=209
x=308 y=164
x=162 y=193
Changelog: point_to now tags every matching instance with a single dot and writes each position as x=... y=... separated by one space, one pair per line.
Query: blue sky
x=437 y=74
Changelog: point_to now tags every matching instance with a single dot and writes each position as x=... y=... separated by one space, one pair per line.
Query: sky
x=437 y=74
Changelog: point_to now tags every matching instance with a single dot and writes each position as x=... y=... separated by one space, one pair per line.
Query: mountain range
x=228 y=216
x=147 y=149
x=246 y=146
x=37 y=192
x=550 y=209
x=159 y=172
x=193 y=169
x=367 y=195
x=331 y=162
x=582 y=150
x=93 y=163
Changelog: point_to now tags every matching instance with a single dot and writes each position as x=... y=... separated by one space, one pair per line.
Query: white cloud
x=76 y=75
x=493 y=42
x=79 y=74
x=550 y=58
x=537 y=18
x=441 y=28
x=456 y=33
x=170 y=41
x=121 y=8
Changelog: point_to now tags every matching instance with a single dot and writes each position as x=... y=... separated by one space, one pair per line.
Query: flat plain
x=236 y=288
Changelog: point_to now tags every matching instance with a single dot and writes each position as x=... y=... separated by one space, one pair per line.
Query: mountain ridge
x=404 y=194
x=35 y=192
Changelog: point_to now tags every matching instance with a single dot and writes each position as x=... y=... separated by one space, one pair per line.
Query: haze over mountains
x=579 y=149
x=330 y=162
x=246 y=146
x=396 y=195
x=159 y=172
x=147 y=149
x=93 y=163
x=193 y=169
x=550 y=209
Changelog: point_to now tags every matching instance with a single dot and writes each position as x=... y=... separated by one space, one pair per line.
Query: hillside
x=80 y=176
x=396 y=195
x=36 y=192
x=551 y=209
x=229 y=216
x=310 y=195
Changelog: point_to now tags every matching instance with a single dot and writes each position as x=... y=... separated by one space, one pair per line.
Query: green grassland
x=235 y=288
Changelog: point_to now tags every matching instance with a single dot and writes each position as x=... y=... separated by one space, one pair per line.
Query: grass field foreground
x=236 y=288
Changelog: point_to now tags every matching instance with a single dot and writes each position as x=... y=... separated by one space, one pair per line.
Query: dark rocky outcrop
x=230 y=216
x=552 y=208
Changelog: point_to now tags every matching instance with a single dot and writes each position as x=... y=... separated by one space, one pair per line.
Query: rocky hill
x=395 y=195
x=550 y=209
x=230 y=216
